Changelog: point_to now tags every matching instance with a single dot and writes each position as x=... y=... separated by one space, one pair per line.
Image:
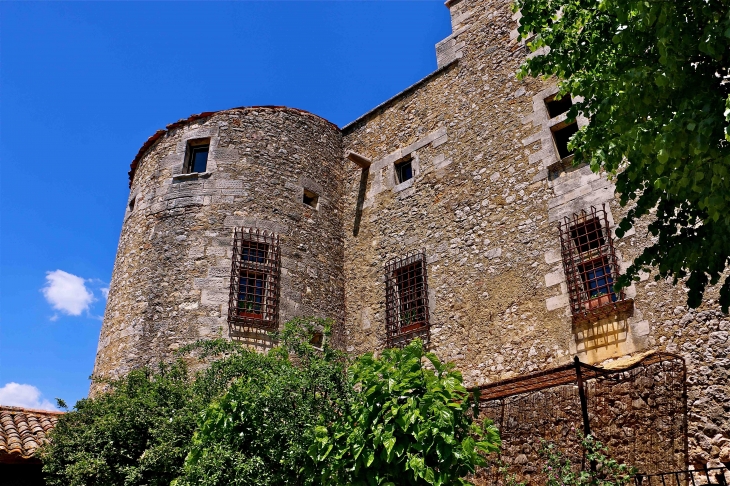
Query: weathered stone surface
x=484 y=202
x=171 y=279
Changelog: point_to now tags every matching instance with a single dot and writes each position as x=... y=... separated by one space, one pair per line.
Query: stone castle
x=451 y=212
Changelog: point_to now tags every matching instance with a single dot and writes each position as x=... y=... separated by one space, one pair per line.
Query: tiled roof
x=23 y=430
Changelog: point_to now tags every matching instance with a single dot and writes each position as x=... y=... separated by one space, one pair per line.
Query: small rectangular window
x=556 y=106
x=310 y=199
x=131 y=204
x=317 y=339
x=196 y=156
x=403 y=170
x=590 y=266
x=254 y=295
x=407 y=315
x=562 y=136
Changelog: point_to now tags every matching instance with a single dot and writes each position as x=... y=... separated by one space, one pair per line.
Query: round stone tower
x=233 y=226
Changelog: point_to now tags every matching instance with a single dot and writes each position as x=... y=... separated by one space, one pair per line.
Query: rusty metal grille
x=639 y=411
x=254 y=293
x=406 y=300
x=591 y=266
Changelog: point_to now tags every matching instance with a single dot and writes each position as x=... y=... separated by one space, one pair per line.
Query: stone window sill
x=403 y=186
x=191 y=176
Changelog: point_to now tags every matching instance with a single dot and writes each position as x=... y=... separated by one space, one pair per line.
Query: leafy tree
x=140 y=431
x=408 y=424
x=259 y=431
x=654 y=81
x=137 y=434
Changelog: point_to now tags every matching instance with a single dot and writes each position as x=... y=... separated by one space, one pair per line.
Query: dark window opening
x=587 y=236
x=407 y=315
x=562 y=137
x=254 y=295
x=317 y=339
x=131 y=204
x=409 y=281
x=310 y=199
x=557 y=107
x=196 y=156
x=403 y=171
x=251 y=288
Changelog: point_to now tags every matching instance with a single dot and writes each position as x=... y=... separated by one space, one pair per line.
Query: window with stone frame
x=406 y=300
x=562 y=134
x=196 y=156
x=403 y=170
x=255 y=274
x=590 y=265
x=557 y=106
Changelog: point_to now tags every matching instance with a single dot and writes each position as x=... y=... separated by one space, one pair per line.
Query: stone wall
x=170 y=284
x=487 y=194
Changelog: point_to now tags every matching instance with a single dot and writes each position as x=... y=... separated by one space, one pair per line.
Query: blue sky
x=82 y=86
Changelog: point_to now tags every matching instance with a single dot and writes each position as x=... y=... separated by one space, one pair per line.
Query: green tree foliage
x=654 y=80
x=408 y=424
x=139 y=432
x=260 y=430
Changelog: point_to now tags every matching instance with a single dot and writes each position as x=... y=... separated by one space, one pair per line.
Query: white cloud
x=105 y=292
x=26 y=396
x=67 y=293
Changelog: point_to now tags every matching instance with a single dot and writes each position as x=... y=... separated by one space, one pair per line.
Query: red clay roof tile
x=23 y=430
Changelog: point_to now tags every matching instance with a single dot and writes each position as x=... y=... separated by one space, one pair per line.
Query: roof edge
x=347 y=128
x=11 y=408
x=159 y=133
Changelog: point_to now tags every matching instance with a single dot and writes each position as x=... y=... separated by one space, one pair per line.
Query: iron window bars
x=591 y=266
x=255 y=271
x=406 y=300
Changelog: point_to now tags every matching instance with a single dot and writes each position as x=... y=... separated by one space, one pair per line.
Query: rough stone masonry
x=487 y=190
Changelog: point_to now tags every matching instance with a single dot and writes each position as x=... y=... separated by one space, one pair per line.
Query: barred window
x=254 y=292
x=590 y=265
x=406 y=300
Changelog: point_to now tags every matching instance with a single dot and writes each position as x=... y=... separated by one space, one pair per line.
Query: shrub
x=139 y=432
x=407 y=424
x=259 y=431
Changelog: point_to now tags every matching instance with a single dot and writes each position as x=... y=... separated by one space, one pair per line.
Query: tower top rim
x=183 y=121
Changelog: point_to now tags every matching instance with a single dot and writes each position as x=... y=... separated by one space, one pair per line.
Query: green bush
x=407 y=424
x=137 y=434
x=295 y=415
x=260 y=430
x=140 y=431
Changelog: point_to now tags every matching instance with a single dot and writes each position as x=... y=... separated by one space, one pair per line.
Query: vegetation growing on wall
x=654 y=78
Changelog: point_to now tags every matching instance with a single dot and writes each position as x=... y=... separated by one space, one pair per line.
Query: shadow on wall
x=253 y=338
x=360 y=200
